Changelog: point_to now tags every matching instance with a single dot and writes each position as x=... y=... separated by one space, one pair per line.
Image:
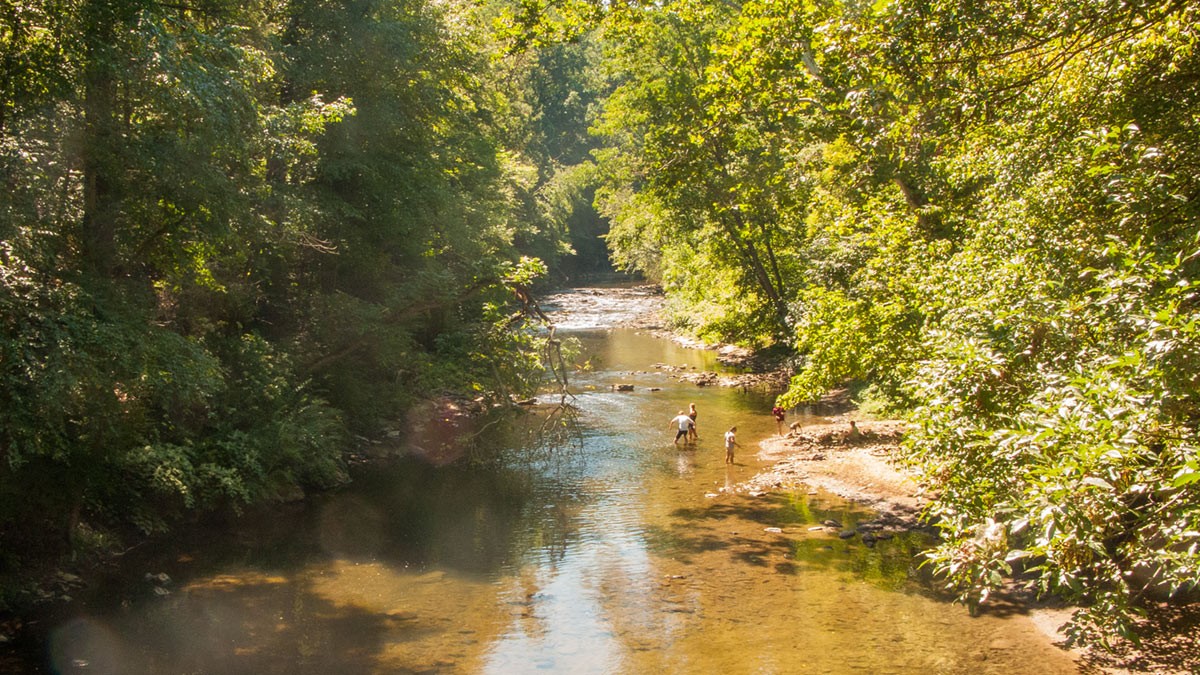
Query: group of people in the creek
x=685 y=428
x=685 y=425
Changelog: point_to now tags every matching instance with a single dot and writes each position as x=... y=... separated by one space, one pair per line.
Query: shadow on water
x=229 y=629
x=565 y=539
x=336 y=584
x=792 y=527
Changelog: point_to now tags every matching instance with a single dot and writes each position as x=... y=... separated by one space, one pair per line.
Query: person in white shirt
x=685 y=425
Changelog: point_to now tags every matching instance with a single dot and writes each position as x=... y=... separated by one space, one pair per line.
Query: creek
x=580 y=543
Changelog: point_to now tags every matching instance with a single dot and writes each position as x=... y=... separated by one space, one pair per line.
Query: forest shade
x=234 y=233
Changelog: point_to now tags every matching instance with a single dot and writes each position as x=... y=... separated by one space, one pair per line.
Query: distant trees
x=985 y=211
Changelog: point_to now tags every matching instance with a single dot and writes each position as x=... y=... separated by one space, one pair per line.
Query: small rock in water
x=846 y=534
x=772 y=529
x=832 y=523
x=818 y=527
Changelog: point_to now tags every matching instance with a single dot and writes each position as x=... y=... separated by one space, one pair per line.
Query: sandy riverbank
x=864 y=468
x=860 y=467
x=862 y=464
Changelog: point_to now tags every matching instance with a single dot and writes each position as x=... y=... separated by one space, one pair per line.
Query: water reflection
x=574 y=540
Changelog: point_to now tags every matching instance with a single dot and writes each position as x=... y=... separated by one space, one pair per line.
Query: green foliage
x=231 y=235
x=134 y=422
x=689 y=180
x=991 y=221
x=525 y=272
x=1087 y=473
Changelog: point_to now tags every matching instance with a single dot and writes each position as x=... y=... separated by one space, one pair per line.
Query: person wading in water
x=685 y=426
x=730 y=443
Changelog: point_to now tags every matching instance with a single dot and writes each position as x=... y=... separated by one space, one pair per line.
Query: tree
x=992 y=221
x=235 y=233
x=710 y=169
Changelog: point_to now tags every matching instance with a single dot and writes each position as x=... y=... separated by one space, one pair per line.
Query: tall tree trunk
x=101 y=138
x=735 y=225
x=929 y=222
x=771 y=286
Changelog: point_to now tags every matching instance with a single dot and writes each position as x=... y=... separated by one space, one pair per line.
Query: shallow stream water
x=586 y=543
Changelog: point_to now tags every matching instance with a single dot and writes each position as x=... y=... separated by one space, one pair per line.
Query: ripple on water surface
x=591 y=308
x=600 y=553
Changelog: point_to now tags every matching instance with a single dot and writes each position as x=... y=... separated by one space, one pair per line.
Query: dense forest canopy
x=983 y=214
x=233 y=233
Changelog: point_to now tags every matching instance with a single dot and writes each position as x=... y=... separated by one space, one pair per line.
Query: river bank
x=864 y=467
x=858 y=460
x=861 y=465
x=857 y=465
x=608 y=550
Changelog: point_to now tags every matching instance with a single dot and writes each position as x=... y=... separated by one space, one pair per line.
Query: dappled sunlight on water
x=422 y=612
x=613 y=552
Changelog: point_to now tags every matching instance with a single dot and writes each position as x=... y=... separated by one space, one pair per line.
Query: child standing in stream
x=730 y=443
